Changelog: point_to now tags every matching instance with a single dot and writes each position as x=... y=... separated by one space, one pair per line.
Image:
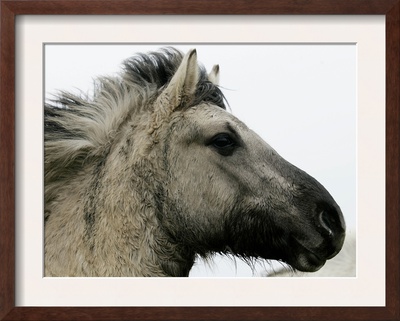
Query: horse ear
x=213 y=76
x=182 y=86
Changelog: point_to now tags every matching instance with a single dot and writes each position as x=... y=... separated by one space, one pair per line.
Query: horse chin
x=307 y=262
x=305 y=259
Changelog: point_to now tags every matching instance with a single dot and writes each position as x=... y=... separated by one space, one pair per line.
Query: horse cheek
x=198 y=197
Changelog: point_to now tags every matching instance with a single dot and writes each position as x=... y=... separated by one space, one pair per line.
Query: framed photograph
x=318 y=81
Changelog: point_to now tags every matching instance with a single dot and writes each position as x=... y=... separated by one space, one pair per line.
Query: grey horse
x=152 y=171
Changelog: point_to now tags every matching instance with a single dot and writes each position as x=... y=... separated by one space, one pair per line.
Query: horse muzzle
x=312 y=255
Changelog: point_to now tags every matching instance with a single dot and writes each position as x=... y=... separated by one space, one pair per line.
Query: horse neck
x=127 y=209
x=104 y=221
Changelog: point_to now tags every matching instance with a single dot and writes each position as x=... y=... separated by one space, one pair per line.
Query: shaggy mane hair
x=78 y=127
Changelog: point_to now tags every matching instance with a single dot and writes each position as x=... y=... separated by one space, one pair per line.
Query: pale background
x=301 y=98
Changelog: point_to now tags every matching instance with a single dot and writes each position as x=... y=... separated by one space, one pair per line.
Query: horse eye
x=222 y=141
x=224 y=144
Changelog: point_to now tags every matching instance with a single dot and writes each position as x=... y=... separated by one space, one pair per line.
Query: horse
x=151 y=171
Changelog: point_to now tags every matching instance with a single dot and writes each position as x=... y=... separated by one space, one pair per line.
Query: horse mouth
x=306 y=260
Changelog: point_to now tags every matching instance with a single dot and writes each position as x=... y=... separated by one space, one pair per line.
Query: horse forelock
x=156 y=69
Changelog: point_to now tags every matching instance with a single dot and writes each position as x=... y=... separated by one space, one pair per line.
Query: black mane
x=157 y=69
x=151 y=71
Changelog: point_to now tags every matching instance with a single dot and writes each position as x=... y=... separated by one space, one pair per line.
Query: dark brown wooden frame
x=10 y=9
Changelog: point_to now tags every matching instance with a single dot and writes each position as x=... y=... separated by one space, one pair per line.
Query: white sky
x=300 y=98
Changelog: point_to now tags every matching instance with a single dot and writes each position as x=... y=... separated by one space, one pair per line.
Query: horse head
x=226 y=190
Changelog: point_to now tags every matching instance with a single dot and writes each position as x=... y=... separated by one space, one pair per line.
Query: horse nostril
x=326 y=222
x=332 y=226
x=331 y=220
